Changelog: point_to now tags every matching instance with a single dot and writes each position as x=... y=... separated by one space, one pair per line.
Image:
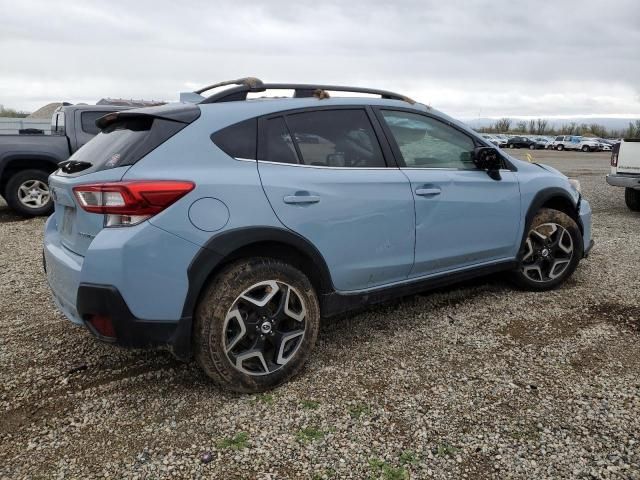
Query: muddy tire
x=256 y=325
x=632 y=199
x=550 y=252
x=27 y=193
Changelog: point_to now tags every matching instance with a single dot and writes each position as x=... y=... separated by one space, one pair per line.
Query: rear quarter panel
x=191 y=155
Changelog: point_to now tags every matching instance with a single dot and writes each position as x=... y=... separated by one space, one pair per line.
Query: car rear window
x=124 y=142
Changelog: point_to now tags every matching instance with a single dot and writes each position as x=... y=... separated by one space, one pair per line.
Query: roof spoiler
x=177 y=112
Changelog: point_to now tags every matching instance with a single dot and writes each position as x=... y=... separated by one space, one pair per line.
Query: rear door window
x=335 y=138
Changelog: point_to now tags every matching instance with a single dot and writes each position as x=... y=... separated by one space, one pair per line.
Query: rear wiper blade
x=73 y=166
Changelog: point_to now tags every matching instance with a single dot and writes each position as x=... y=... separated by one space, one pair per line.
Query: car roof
x=221 y=114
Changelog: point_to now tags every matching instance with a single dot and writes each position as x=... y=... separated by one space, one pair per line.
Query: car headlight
x=575 y=184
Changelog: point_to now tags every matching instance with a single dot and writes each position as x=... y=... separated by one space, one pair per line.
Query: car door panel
x=471 y=220
x=464 y=217
x=361 y=219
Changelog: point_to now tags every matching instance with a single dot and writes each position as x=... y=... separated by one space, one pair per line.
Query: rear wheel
x=560 y=147
x=585 y=148
x=532 y=146
x=551 y=251
x=27 y=193
x=256 y=325
x=632 y=199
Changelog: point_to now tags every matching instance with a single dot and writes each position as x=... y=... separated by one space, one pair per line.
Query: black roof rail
x=252 y=84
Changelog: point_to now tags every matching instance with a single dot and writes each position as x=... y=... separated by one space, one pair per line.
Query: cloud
x=486 y=58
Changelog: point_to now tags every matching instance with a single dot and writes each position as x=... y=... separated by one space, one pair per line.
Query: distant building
x=121 y=102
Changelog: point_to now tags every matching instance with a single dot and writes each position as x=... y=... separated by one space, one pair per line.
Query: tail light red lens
x=103 y=326
x=137 y=200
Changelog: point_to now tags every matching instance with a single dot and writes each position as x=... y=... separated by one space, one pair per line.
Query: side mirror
x=488 y=158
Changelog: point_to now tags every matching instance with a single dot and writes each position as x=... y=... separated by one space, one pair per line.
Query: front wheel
x=560 y=147
x=532 y=146
x=585 y=148
x=256 y=325
x=632 y=199
x=550 y=252
x=27 y=193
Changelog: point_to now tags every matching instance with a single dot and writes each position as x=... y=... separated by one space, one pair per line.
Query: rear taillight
x=614 y=155
x=129 y=203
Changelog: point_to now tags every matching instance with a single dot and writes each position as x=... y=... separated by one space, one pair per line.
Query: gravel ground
x=477 y=381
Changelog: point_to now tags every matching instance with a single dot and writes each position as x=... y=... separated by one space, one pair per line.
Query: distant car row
x=560 y=142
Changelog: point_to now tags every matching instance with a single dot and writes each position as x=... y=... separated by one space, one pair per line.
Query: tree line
x=11 y=113
x=541 y=126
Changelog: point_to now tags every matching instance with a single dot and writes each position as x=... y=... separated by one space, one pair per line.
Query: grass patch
x=359 y=410
x=381 y=469
x=310 y=404
x=265 y=398
x=446 y=450
x=310 y=434
x=326 y=474
x=408 y=458
x=237 y=442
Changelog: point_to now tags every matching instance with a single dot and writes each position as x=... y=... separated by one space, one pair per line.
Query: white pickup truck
x=625 y=171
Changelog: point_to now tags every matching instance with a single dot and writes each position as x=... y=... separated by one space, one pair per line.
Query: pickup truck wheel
x=560 y=147
x=27 y=193
x=256 y=325
x=550 y=253
x=632 y=199
x=585 y=148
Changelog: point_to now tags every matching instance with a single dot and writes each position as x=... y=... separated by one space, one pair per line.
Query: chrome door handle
x=427 y=192
x=298 y=199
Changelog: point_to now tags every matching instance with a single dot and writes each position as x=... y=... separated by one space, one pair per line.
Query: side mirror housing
x=488 y=159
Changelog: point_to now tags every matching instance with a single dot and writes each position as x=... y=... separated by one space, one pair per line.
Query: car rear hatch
x=627 y=156
x=126 y=137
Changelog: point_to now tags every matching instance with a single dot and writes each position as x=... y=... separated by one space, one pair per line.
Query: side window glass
x=88 y=122
x=238 y=140
x=336 y=138
x=428 y=143
x=278 y=144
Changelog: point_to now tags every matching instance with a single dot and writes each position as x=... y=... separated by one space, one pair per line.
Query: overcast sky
x=468 y=58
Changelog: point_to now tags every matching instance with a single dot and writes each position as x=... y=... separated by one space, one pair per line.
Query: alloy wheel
x=549 y=250
x=264 y=327
x=34 y=193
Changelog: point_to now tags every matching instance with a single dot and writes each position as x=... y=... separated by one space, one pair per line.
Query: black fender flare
x=218 y=250
x=6 y=160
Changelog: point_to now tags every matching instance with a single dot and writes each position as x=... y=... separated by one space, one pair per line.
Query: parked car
x=541 y=142
x=522 y=142
x=625 y=171
x=575 y=142
x=225 y=230
x=588 y=144
x=498 y=142
x=27 y=160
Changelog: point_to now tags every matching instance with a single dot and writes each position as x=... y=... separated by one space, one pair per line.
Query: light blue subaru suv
x=226 y=229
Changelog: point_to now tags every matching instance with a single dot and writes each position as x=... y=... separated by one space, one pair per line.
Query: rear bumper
x=131 y=332
x=626 y=181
